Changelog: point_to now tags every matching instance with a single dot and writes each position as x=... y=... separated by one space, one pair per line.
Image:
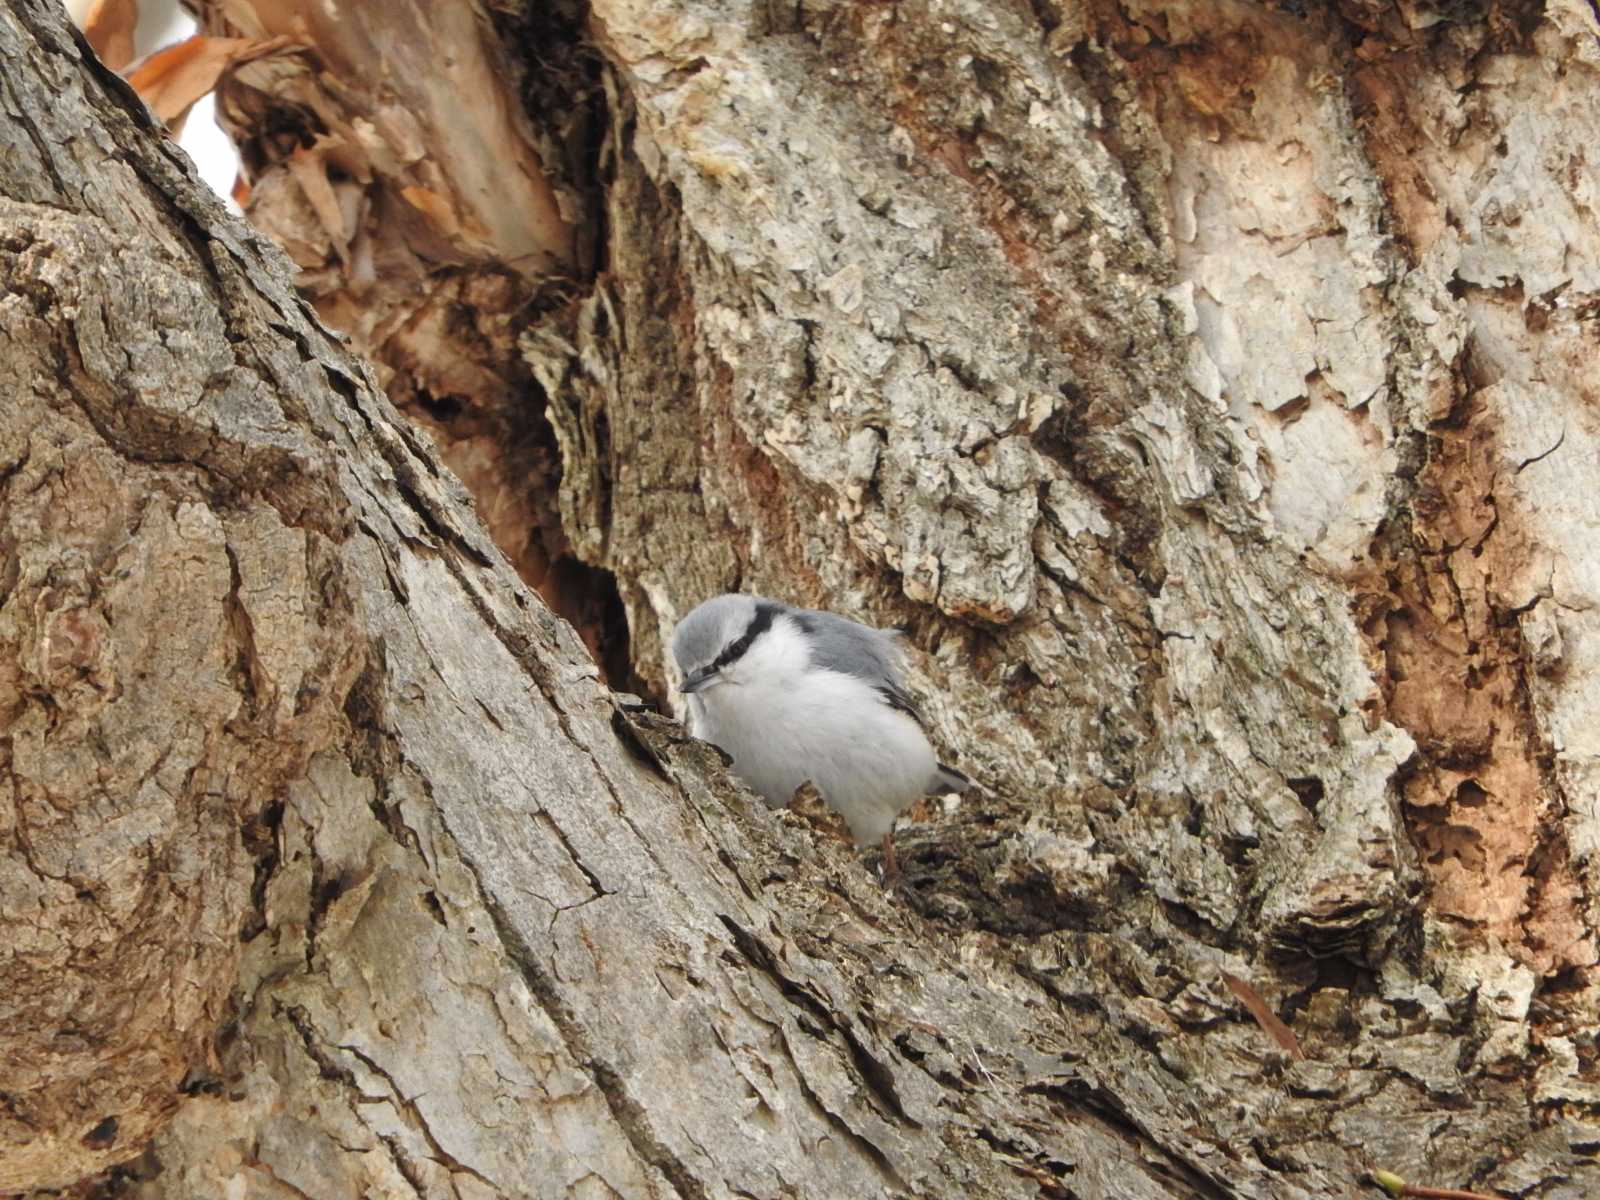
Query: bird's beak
x=697 y=680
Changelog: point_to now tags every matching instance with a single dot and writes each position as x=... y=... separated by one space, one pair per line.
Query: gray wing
x=851 y=648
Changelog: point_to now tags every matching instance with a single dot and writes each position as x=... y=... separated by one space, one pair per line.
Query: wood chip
x=311 y=173
x=435 y=207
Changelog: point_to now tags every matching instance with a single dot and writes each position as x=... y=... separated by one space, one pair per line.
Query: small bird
x=797 y=695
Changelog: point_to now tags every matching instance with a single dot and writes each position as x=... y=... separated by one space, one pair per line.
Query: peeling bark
x=389 y=151
x=1479 y=666
x=1201 y=386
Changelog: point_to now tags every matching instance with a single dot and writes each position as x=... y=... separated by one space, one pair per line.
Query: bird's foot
x=893 y=880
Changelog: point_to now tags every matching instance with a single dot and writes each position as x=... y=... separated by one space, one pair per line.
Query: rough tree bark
x=1203 y=386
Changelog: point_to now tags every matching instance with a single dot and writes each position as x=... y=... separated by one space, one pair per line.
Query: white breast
x=784 y=723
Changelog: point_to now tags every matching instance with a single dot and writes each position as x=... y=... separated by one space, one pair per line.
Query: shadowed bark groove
x=1203 y=387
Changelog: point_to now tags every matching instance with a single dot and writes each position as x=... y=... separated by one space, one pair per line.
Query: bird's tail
x=947 y=779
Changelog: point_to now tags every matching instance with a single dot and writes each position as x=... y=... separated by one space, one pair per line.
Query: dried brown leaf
x=171 y=80
x=1265 y=1017
x=108 y=27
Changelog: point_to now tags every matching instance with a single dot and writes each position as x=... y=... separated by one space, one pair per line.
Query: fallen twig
x=1395 y=1186
x=1265 y=1017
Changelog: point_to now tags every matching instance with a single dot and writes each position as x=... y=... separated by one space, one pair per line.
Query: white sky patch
x=211 y=149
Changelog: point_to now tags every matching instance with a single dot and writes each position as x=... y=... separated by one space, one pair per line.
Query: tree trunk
x=1205 y=388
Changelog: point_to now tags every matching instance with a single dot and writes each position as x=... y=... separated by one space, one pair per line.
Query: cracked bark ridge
x=171 y=652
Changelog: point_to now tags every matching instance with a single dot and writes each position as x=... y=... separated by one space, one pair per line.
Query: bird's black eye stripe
x=759 y=624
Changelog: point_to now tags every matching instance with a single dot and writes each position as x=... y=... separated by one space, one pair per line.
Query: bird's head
x=715 y=640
